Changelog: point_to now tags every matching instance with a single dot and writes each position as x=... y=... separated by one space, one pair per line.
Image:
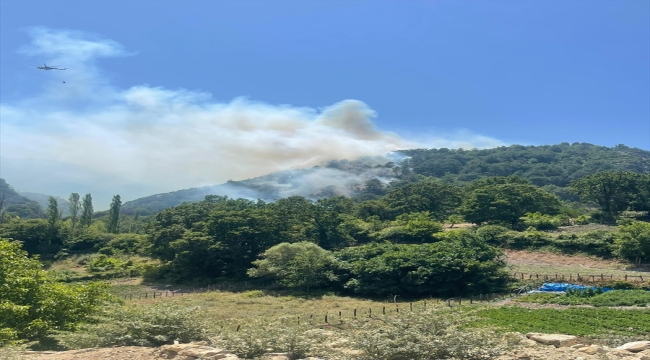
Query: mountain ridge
x=551 y=166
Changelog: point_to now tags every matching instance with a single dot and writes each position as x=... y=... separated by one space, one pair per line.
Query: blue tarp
x=562 y=287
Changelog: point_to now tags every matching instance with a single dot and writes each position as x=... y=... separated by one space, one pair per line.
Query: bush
x=458 y=265
x=258 y=337
x=435 y=334
x=492 y=234
x=150 y=325
x=32 y=304
x=540 y=221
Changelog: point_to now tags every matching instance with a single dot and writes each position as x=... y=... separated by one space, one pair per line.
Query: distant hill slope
x=18 y=205
x=542 y=165
x=44 y=200
x=554 y=166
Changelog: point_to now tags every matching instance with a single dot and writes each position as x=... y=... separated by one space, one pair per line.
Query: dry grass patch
x=532 y=262
x=224 y=305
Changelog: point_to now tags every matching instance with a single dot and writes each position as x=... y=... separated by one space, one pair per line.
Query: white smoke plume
x=145 y=139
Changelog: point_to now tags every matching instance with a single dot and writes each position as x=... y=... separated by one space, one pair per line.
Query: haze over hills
x=551 y=166
x=44 y=199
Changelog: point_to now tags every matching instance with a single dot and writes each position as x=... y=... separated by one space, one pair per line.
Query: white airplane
x=45 y=67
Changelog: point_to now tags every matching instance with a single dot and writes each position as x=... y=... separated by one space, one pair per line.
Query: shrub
x=32 y=304
x=257 y=337
x=435 y=334
x=150 y=325
x=459 y=264
x=492 y=234
x=540 y=221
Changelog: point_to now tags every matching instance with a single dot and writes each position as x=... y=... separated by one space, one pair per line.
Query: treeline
x=84 y=230
x=393 y=243
x=556 y=165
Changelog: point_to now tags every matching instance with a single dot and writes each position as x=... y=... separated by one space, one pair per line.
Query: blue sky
x=427 y=73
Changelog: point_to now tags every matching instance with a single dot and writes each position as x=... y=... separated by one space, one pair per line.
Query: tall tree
x=86 y=211
x=52 y=211
x=74 y=205
x=114 y=214
x=507 y=203
x=613 y=191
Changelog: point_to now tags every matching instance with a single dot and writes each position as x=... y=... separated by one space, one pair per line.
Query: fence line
x=579 y=277
x=516 y=275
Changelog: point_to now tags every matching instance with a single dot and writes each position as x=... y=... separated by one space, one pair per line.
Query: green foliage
x=301 y=264
x=592 y=297
x=52 y=212
x=633 y=241
x=114 y=215
x=17 y=205
x=434 y=334
x=413 y=228
x=86 y=211
x=37 y=236
x=258 y=337
x=614 y=191
x=74 y=206
x=151 y=325
x=505 y=201
x=31 y=304
x=459 y=264
x=544 y=222
x=571 y=321
x=131 y=244
x=541 y=165
x=492 y=234
x=430 y=195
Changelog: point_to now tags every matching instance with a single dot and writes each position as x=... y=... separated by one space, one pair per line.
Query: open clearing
x=535 y=262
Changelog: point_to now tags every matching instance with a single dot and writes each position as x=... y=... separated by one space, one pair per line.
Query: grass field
x=611 y=298
x=572 y=321
x=535 y=262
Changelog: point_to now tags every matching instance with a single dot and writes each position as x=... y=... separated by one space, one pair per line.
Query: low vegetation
x=593 y=298
x=589 y=322
x=347 y=266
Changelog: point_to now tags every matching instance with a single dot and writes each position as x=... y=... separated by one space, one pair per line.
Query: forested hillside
x=17 y=205
x=551 y=166
x=542 y=165
x=43 y=201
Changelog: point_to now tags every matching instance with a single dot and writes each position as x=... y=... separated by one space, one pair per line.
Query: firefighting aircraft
x=45 y=67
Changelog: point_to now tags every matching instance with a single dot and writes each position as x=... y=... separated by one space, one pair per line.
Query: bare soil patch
x=115 y=353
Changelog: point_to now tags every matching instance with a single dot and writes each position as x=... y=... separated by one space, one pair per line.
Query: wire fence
x=580 y=277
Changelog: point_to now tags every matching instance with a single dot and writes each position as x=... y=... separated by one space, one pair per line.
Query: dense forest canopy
x=13 y=203
x=541 y=165
x=551 y=166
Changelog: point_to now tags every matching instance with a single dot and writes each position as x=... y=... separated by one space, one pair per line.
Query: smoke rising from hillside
x=162 y=140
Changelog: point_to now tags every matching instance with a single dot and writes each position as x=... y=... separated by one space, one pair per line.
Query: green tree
x=32 y=304
x=454 y=219
x=507 y=203
x=613 y=191
x=431 y=195
x=300 y=265
x=74 y=205
x=52 y=212
x=632 y=241
x=86 y=211
x=410 y=228
x=459 y=264
x=114 y=215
